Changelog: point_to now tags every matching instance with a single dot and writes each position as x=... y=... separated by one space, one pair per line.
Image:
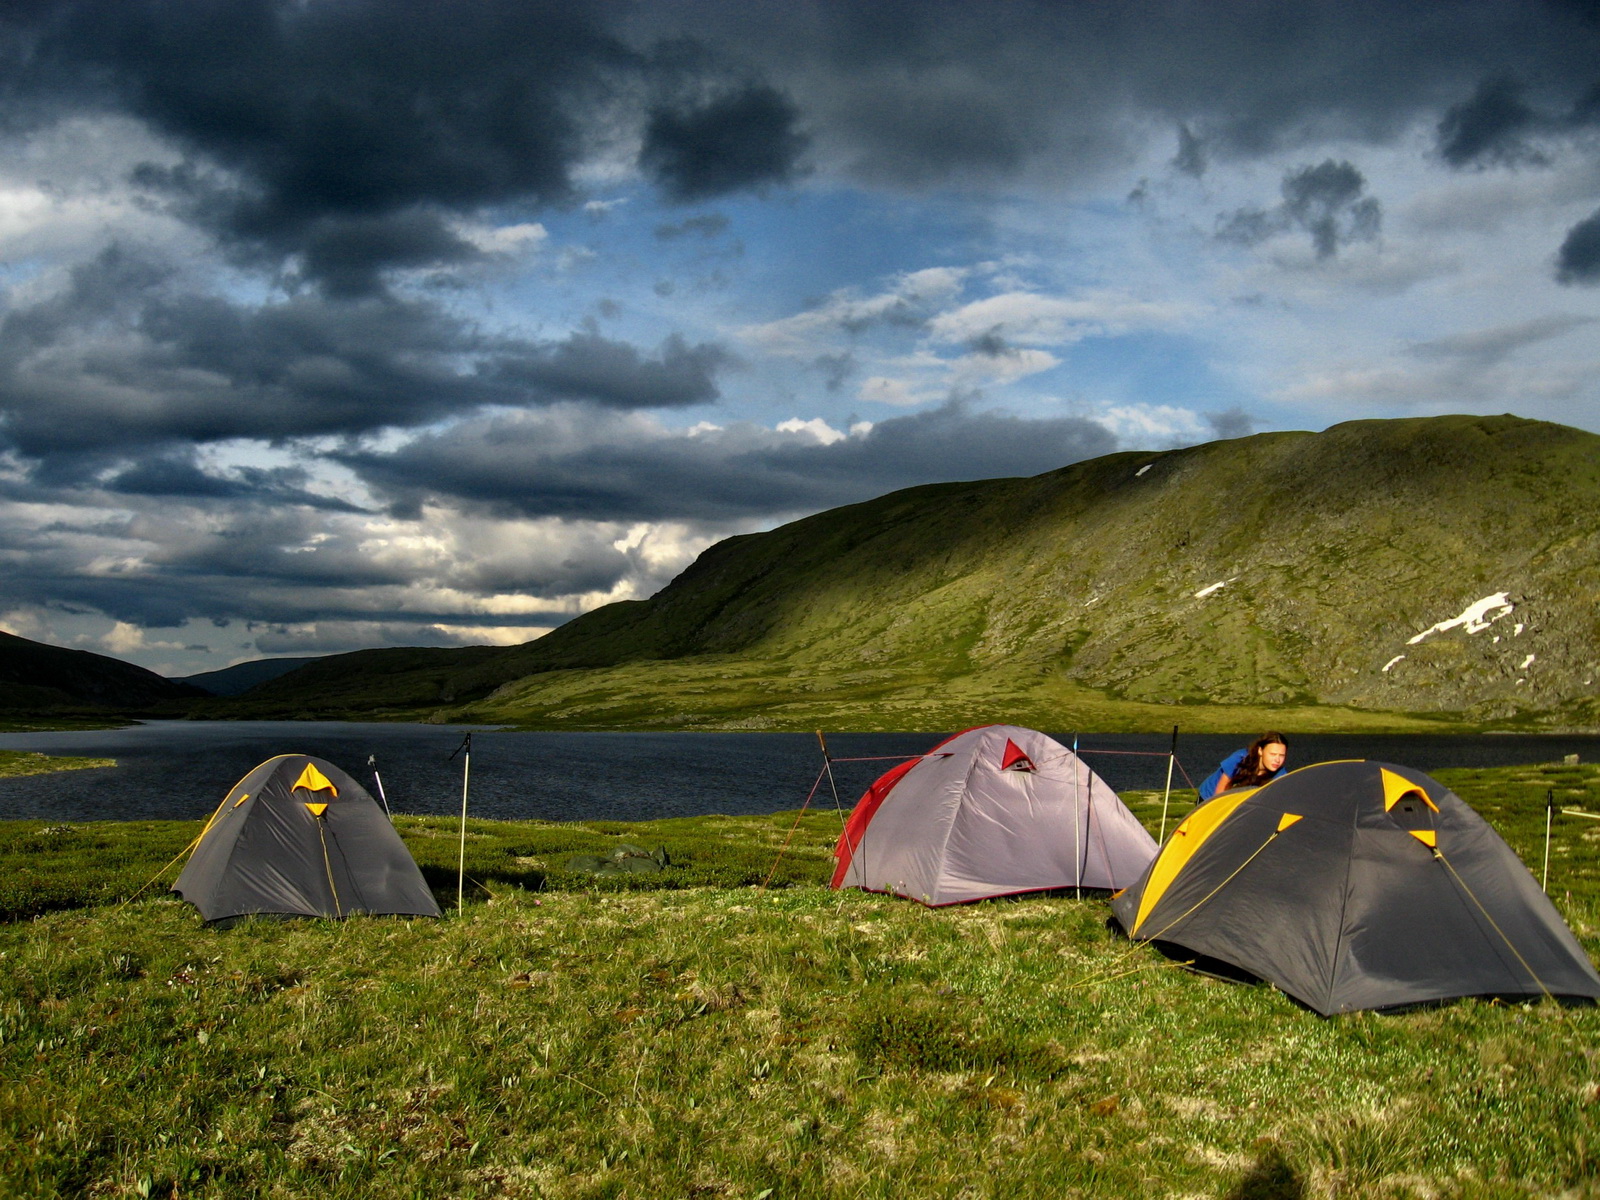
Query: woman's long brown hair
x=1251 y=773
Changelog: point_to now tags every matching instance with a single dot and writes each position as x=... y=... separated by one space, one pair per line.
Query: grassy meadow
x=693 y=1034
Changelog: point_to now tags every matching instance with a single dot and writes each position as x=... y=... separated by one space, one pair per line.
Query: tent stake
x=461 y=862
x=372 y=761
x=1172 y=757
x=1549 y=812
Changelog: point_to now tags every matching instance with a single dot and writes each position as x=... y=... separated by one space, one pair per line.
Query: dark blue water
x=181 y=769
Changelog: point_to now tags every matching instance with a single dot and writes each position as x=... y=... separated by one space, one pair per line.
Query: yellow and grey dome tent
x=1357 y=885
x=297 y=837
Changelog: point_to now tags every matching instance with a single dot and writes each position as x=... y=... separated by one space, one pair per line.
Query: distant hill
x=1280 y=574
x=35 y=677
x=404 y=683
x=241 y=677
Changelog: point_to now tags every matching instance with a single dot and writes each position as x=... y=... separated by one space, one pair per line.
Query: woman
x=1251 y=767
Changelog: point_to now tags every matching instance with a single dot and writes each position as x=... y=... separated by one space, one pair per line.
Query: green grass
x=734 y=693
x=31 y=762
x=688 y=1034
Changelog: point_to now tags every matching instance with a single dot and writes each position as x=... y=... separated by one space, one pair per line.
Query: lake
x=179 y=770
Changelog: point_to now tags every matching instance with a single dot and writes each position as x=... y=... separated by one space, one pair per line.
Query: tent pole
x=827 y=763
x=372 y=761
x=1549 y=813
x=1077 y=850
x=461 y=862
x=1172 y=757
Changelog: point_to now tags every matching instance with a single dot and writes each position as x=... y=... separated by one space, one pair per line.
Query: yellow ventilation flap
x=313 y=780
x=1397 y=787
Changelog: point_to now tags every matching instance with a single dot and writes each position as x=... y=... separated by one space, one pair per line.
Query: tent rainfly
x=1357 y=885
x=994 y=811
x=297 y=837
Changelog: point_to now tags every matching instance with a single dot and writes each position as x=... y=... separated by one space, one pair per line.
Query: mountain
x=35 y=677
x=1444 y=567
x=241 y=677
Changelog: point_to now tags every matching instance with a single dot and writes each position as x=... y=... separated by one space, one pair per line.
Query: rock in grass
x=624 y=860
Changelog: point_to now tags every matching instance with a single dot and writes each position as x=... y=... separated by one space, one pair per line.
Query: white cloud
x=906 y=303
x=1035 y=319
x=883 y=389
x=504 y=239
x=1144 y=425
x=816 y=427
x=974 y=370
x=125 y=639
x=20 y=622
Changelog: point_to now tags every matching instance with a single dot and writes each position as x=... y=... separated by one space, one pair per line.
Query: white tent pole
x=1549 y=812
x=372 y=761
x=1077 y=851
x=461 y=862
x=1172 y=757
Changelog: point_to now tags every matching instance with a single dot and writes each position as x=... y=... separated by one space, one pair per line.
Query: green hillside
x=1228 y=585
x=37 y=678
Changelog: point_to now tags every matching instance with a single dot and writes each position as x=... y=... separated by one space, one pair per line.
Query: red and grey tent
x=1357 y=885
x=994 y=811
x=297 y=837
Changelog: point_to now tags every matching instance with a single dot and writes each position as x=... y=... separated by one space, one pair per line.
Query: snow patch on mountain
x=1478 y=617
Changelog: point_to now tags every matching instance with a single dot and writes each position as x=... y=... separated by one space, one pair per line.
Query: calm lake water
x=175 y=770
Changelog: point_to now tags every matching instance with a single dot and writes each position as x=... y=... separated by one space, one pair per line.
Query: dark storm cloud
x=1323 y=200
x=1191 y=156
x=587 y=366
x=173 y=474
x=361 y=109
x=176 y=474
x=350 y=111
x=1326 y=201
x=925 y=91
x=107 y=362
x=536 y=467
x=126 y=354
x=1586 y=112
x=1497 y=126
x=731 y=142
x=348 y=257
x=1578 y=260
x=1491 y=128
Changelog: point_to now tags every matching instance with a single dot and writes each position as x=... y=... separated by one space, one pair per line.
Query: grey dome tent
x=297 y=837
x=1357 y=885
x=994 y=811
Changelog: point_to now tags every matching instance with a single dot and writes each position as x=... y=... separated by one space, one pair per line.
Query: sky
x=337 y=324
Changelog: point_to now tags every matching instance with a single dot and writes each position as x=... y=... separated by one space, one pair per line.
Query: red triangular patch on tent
x=1014 y=759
